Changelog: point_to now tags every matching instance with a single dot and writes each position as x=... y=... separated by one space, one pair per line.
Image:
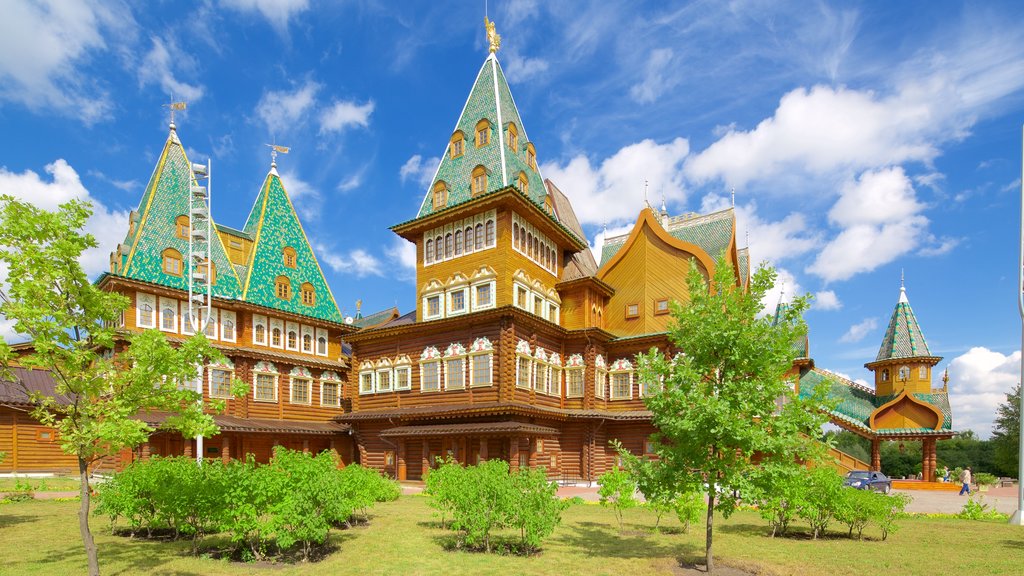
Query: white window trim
x=408 y=376
x=440 y=305
x=539 y=368
x=256 y=399
x=209 y=381
x=448 y=374
x=555 y=380
x=214 y=322
x=601 y=383
x=317 y=333
x=290 y=327
x=529 y=362
x=450 y=297
x=260 y=320
x=373 y=381
x=528 y=299
x=229 y=316
x=583 y=382
x=461 y=225
x=490 y=369
x=309 y=390
x=270 y=334
x=476 y=305
x=142 y=298
x=173 y=305
x=303 y=332
x=333 y=383
x=185 y=319
x=440 y=375
x=377 y=379
x=611 y=388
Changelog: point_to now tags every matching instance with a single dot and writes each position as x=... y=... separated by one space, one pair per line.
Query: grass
x=50 y=484
x=403 y=538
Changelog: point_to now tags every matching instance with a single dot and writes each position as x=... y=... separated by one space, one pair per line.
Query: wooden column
x=513 y=454
x=187 y=447
x=425 y=456
x=400 y=461
x=145 y=451
x=483 y=449
x=305 y=446
x=533 y=453
x=876 y=455
x=225 y=450
x=464 y=451
x=928 y=460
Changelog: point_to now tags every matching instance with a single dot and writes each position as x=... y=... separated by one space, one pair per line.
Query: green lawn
x=41 y=537
x=51 y=484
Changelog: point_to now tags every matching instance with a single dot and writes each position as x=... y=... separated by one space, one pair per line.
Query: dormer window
x=440 y=194
x=283 y=288
x=483 y=133
x=181 y=227
x=172 y=262
x=531 y=156
x=513 y=137
x=289 y=257
x=308 y=294
x=479 y=180
x=202 y=269
x=458 y=145
x=524 y=183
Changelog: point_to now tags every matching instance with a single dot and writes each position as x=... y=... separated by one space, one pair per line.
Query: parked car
x=868 y=480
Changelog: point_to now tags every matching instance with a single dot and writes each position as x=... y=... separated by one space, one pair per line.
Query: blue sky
x=861 y=139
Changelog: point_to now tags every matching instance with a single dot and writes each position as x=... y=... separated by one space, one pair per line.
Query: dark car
x=866 y=480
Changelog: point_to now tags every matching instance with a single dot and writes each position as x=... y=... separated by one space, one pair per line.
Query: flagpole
x=1018 y=517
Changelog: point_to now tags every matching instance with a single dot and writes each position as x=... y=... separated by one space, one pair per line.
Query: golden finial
x=492 y=36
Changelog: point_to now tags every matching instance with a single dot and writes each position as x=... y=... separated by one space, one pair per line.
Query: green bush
x=979 y=510
x=688 y=507
x=364 y=487
x=536 y=509
x=779 y=492
x=985 y=479
x=824 y=497
x=617 y=488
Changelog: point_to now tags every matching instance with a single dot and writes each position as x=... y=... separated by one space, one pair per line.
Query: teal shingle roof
x=903 y=338
x=376 y=318
x=711 y=232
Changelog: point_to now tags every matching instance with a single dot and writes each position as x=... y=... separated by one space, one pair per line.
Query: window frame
x=383 y=369
x=170 y=254
x=457 y=144
x=143 y=300
x=474 y=289
x=440 y=305
x=367 y=387
x=632 y=310
x=482 y=127
x=255 y=385
x=581 y=372
x=402 y=364
x=228 y=317
x=450 y=301
x=337 y=394
x=612 y=377
x=307 y=292
x=179 y=221
x=478 y=181
x=289 y=257
x=439 y=195
x=284 y=282
x=308 y=386
x=260 y=320
x=658 y=309
x=209 y=381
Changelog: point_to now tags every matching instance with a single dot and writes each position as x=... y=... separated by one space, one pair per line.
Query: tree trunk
x=709 y=560
x=83 y=520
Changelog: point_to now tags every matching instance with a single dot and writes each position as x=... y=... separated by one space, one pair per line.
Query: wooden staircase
x=844 y=463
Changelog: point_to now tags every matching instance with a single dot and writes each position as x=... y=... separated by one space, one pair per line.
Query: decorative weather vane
x=493 y=38
x=274 y=149
x=175 y=107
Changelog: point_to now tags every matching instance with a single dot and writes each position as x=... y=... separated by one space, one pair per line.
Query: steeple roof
x=167 y=197
x=903 y=338
x=274 y=226
x=490 y=99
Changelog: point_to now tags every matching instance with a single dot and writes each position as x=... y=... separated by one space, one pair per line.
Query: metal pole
x=1018 y=517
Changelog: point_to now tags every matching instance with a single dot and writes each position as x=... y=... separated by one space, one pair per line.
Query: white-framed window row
x=524 y=366
x=456 y=239
x=367 y=372
x=264 y=382
x=300 y=386
x=430 y=370
x=530 y=295
x=455 y=367
x=621 y=380
x=533 y=244
x=218 y=379
x=459 y=295
x=600 y=377
x=481 y=363
x=383 y=374
x=574 y=373
x=330 y=389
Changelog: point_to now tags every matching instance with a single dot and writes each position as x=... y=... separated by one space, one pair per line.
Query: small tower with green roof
x=904 y=362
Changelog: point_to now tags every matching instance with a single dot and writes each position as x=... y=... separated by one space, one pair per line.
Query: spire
x=493 y=38
x=903 y=338
x=274 y=150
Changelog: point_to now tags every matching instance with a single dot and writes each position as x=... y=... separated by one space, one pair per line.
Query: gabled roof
x=711 y=232
x=903 y=338
x=376 y=319
x=166 y=197
x=490 y=99
x=274 y=225
x=581 y=264
x=744 y=256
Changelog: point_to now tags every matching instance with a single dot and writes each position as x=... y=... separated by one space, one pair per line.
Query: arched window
x=513 y=137
x=283 y=288
x=172 y=261
x=515 y=234
x=438 y=248
x=440 y=194
x=167 y=319
x=524 y=183
x=288 y=254
x=529 y=244
x=428 y=251
x=275 y=337
x=490 y=232
x=479 y=236
x=293 y=340
x=479 y=180
x=531 y=156
x=307 y=343
x=904 y=373
x=308 y=294
x=469 y=238
x=885 y=375
x=458 y=144
x=227 y=331
x=181 y=227
x=321 y=345
x=458 y=242
x=259 y=334
x=448 y=245
x=483 y=133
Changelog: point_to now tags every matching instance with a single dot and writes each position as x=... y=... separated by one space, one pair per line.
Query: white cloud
x=159 y=67
x=786 y=285
x=614 y=190
x=307 y=200
x=43 y=45
x=404 y=253
x=419 y=170
x=979 y=381
x=358 y=261
x=659 y=77
x=107 y=226
x=826 y=300
x=521 y=69
x=277 y=12
x=355 y=180
x=605 y=233
x=858 y=331
x=280 y=110
x=877 y=197
x=344 y=114
x=515 y=12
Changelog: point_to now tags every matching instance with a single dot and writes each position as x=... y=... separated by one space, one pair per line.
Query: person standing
x=965 y=479
x=945 y=473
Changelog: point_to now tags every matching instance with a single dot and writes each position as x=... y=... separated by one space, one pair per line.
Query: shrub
x=893 y=507
x=618 y=490
x=688 y=507
x=858 y=508
x=779 y=492
x=985 y=479
x=979 y=510
x=823 y=499
x=536 y=509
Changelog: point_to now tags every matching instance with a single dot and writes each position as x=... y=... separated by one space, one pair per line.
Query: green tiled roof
x=497 y=106
x=375 y=318
x=744 y=257
x=903 y=338
x=856 y=403
x=711 y=232
x=274 y=225
x=167 y=197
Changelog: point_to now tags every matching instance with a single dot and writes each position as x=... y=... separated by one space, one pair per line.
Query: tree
x=72 y=325
x=618 y=490
x=726 y=403
x=1006 y=434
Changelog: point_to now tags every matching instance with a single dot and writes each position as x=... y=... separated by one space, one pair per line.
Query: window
x=220 y=383
x=538 y=305
x=265 y=389
x=541 y=372
x=522 y=297
x=293 y=340
x=329 y=394
x=433 y=306
x=904 y=373
x=531 y=156
x=186 y=320
x=383 y=383
x=574 y=383
x=661 y=307
x=428 y=252
x=479 y=233
x=481 y=369
x=457 y=301
x=479 y=180
x=622 y=385
x=523 y=365
x=283 y=288
x=300 y=391
x=469 y=239
x=211 y=326
x=206 y=268
x=458 y=242
x=402 y=377
x=182 y=227
x=275 y=337
x=648 y=388
x=144 y=309
x=600 y=383
x=513 y=137
x=632 y=310
x=308 y=294
x=289 y=257
x=483 y=295
x=227 y=325
x=430 y=373
x=458 y=145
x=172 y=262
x=483 y=133
x=366 y=378
x=454 y=374
x=307 y=343
x=321 y=345
x=440 y=198
x=922 y=373
x=168 y=319
x=259 y=334
x=448 y=245
x=524 y=183
x=885 y=375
